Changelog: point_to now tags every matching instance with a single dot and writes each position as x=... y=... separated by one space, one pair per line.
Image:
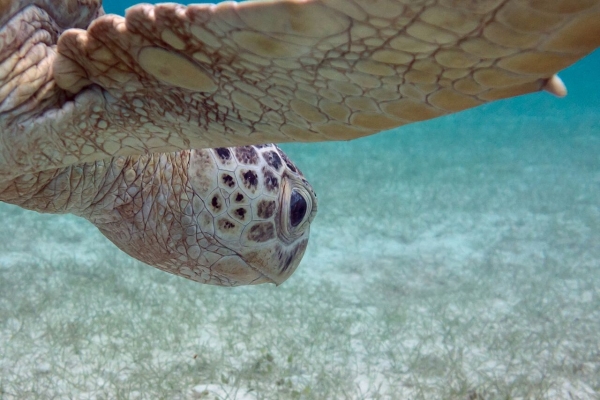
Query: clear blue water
x=456 y=258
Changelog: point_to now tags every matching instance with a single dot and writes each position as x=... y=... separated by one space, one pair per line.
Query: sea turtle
x=129 y=121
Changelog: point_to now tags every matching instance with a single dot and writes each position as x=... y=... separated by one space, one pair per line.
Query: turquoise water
x=452 y=259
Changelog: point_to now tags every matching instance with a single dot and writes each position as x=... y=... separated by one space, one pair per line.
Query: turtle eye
x=298 y=208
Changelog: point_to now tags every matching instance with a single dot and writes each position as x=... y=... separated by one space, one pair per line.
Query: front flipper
x=176 y=77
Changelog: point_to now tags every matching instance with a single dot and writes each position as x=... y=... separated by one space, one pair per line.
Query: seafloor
x=454 y=259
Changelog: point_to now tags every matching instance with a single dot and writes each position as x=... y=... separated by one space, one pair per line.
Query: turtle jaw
x=235 y=271
x=278 y=263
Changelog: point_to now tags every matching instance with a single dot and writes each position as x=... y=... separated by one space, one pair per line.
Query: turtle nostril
x=298 y=208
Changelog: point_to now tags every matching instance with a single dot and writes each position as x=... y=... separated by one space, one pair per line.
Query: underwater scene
x=457 y=258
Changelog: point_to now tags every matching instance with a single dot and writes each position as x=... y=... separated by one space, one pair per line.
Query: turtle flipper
x=169 y=77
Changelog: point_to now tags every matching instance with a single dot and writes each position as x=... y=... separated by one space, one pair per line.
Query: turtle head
x=223 y=216
x=259 y=212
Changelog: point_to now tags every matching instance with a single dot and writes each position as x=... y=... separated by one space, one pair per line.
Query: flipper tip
x=556 y=86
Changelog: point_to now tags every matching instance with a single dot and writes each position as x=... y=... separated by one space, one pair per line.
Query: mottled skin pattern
x=97 y=118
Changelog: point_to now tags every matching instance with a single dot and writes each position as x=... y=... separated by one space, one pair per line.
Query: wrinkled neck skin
x=216 y=216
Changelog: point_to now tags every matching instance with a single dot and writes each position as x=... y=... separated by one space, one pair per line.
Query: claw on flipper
x=556 y=86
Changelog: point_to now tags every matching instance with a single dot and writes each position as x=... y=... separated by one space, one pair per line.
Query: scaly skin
x=81 y=109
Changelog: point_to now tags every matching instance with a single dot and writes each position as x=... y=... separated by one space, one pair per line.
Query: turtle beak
x=277 y=264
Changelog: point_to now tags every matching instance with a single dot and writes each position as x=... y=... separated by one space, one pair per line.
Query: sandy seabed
x=457 y=259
